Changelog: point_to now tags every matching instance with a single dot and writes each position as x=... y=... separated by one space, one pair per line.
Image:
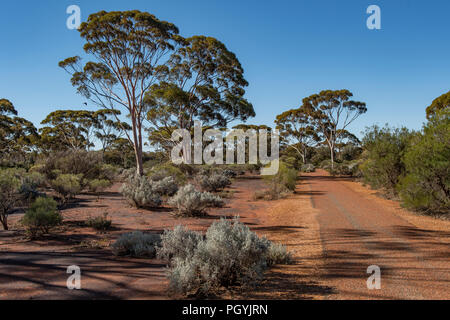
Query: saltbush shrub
x=139 y=192
x=9 y=195
x=67 y=186
x=229 y=254
x=191 y=202
x=278 y=254
x=165 y=187
x=41 y=217
x=136 y=244
x=214 y=182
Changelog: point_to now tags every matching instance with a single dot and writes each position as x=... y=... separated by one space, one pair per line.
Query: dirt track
x=358 y=230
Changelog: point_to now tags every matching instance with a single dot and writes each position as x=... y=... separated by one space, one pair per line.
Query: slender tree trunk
x=332 y=156
x=4 y=221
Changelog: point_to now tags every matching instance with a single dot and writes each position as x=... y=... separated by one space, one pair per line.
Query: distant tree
x=203 y=81
x=18 y=136
x=109 y=128
x=128 y=48
x=439 y=103
x=69 y=129
x=297 y=131
x=331 y=112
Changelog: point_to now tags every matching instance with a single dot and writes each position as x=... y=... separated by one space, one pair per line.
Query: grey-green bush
x=191 y=202
x=136 y=244
x=101 y=223
x=138 y=190
x=229 y=254
x=214 y=182
x=41 y=217
x=165 y=187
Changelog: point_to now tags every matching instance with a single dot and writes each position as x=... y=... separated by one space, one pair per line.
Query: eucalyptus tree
x=108 y=128
x=18 y=136
x=331 y=112
x=439 y=103
x=68 y=129
x=203 y=81
x=128 y=49
x=297 y=131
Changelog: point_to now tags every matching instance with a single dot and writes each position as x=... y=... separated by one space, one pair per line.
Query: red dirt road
x=358 y=231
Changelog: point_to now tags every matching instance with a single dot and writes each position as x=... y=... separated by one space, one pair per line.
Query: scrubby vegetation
x=100 y=223
x=214 y=182
x=279 y=185
x=229 y=255
x=136 y=244
x=138 y=190
x=190 y=202
x=41 y=217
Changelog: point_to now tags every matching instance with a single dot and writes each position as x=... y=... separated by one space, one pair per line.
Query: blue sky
x=289 y=50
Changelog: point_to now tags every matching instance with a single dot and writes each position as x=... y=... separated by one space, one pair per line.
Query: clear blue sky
x=289 y=50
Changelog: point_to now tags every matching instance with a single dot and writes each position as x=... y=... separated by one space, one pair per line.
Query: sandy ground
x=334 y=227
x=37 y=269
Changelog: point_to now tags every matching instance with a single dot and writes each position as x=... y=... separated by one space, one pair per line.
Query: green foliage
x=440 y=103
x=9 y=194
x=280 y=184
x=101 y=223
x=190 y=202
x=41 y=217
x=30 y=182
x=308 y=168
x=229 y=254
x=426 y=185
x=160 y=171
x=99 y=185
x=384 y=150
x=136 y=244
x=67 y=186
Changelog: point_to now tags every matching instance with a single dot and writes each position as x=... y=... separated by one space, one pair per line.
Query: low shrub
x=67 y=186
x=278 y=254
x=41 y=217
x=229 y=254
x=168 y=169
x=282 y=183
x=214 y=182
x=191 y=202
x=136 y=244
x=30 y=182
x=308 y=168
x=139 y=192
x=165 y=187
x=9 y=195
x=98 y=186
x=101 y=223
x=179 y=243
